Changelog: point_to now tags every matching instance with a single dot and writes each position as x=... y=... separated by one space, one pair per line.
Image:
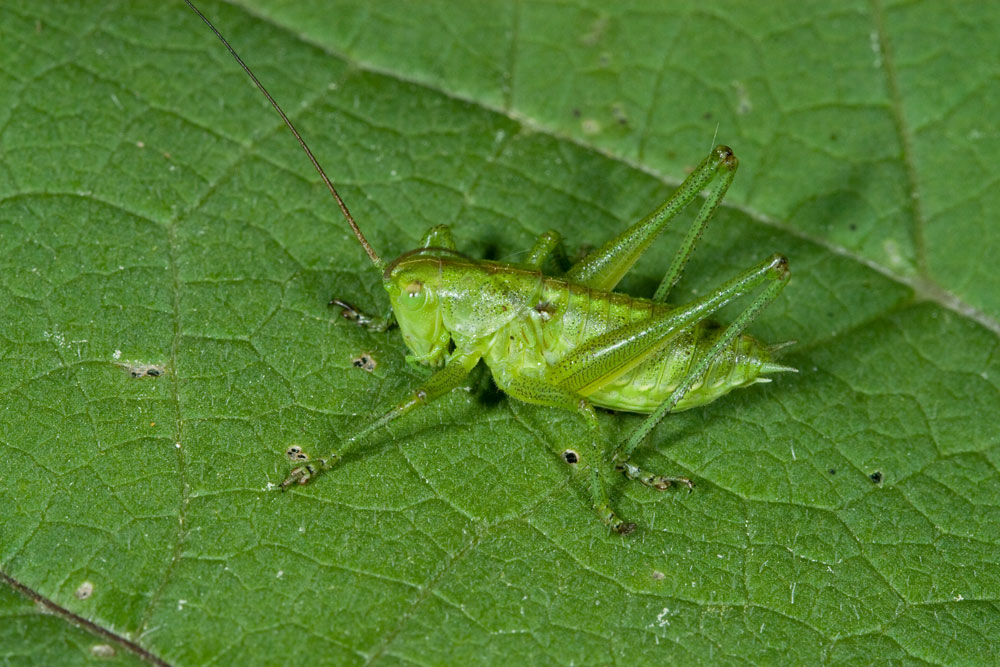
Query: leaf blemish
x=102 y=651
x=84 y=590
x=139 y=370
x=295 y=453
x=366 y=361
x=570 y=457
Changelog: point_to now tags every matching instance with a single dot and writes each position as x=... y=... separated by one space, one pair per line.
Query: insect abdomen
x=568 y=315
x=643 y=388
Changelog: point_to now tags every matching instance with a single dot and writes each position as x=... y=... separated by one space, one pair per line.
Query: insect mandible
x=568 y=342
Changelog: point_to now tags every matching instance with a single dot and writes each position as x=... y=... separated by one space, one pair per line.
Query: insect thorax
x=440 y=300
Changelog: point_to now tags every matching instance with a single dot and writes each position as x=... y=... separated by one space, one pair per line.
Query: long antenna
x=376 y=260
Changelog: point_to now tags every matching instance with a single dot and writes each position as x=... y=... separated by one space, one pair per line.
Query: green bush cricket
x=568 y=342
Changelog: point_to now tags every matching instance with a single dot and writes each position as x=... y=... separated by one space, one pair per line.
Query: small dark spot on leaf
x=366 y=361
x=657 y=575
x=618 y=111
x=570 y=456
x=832 y=471
x=137 y=370
x=295 y=453
x=707 y=115
x=876 y=477
x=576 y=113
x=853 y=227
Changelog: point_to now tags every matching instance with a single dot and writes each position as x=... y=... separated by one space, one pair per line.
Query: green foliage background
x=153 y=211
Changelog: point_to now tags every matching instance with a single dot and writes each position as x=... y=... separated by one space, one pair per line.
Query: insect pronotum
x=567 y=341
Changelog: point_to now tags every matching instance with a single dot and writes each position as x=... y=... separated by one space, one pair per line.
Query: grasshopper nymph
x=568 y=342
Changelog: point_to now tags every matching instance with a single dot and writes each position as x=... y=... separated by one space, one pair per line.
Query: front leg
x=536 y=391
x=440 y=383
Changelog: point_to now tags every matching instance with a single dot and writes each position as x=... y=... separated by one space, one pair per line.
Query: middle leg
x=536 y=391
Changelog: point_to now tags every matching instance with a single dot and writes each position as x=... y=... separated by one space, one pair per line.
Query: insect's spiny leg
x=537 y=391
x=726 y=170
x=603 y=268
x=545 y=245
x=436 y=385
x=773 y=271
x=598 y=494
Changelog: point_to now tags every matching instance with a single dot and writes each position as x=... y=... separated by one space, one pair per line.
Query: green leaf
x=156 y=215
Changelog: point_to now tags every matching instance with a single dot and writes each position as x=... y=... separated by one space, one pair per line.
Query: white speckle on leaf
x=117 y=354
x=180 y=605
x=102 y=651
x=596 y=30
x=876 y=46
x=891 y=250
x=55 y=336
x=663 y=618
x=743 y=103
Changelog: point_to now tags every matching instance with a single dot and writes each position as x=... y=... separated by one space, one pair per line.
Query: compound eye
x=414 y=295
